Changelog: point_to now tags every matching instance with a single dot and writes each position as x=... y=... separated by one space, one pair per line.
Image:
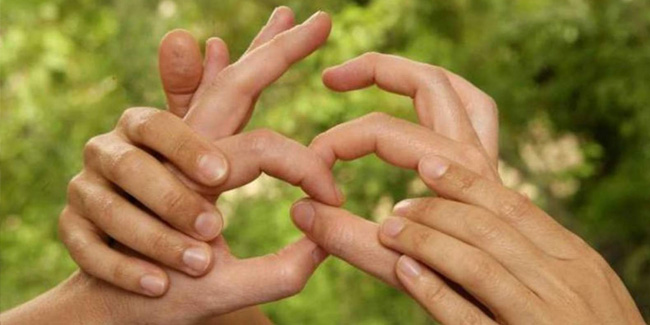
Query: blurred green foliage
x=570 y=77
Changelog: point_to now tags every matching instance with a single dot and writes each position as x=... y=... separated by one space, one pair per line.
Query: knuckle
x=77 y=246
x=430 y=208
x=467 y=182
x=93 y=148
x=260 y=140
x=484 y=229
x=105 y=209
x=421 y=240
x=63 y=225
x=435 y=72
x=74 y=187
x=131 y=116
x=292 y=280
x=134 y=113
x=145 y=123
x=120 y=272
x=483 y=271
x=594 y=268
x=473 y=156
x=123 y=164
x=174 y=202
x=371 y=56
x=435 y=294
x=336 y=237
x=321 y=139
x=163 y=244
x=516 y=208
x=378 y=117
x=431 y=77
x=470 y=316
x=183 y=147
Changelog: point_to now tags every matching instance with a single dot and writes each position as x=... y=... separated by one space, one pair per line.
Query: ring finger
x=435 y=295
x=471 y=268
x=100 y=204
x=482 y=229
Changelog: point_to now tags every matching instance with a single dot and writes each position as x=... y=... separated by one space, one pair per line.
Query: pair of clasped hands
x=141 y=215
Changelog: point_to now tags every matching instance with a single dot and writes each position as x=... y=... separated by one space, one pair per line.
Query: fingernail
x=339 y=194
x=318 y=255
x=196 y=259
x=212 y=167
x=313 y=17
x=433 y=167
x=409 y=266
x=153 y=285
x=303 y=215
x=273 y=15
x=402 y=206
x=211 y=47
x=392 y=226
x=207 y=224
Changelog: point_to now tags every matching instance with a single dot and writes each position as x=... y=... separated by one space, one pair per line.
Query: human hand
x=458 y=121
x=121 y=159
x=502 y=249
x=464 y=243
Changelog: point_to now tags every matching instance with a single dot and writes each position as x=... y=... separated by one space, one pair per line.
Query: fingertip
x=303 y=213
x=327 y=23
x=402 y=207
x=284 y=16
x=179 y=61
x=215 y=44
x=208 y=225
x=177 y=35
x=199 y=259
x=328 y=76
x=213 y=169
x=154 y=284
x=322 y=22
x=432 y=167
x=346 y=76
x=177 y=42
x=408 y=267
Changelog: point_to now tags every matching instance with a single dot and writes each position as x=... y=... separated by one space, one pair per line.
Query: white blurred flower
x=383 y=209
x=166 y=8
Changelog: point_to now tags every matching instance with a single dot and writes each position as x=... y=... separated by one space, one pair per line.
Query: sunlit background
x=571 y=78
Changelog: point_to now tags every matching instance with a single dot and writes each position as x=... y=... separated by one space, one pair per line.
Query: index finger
x=269 y=152
x=395 y=141
x=444 y=101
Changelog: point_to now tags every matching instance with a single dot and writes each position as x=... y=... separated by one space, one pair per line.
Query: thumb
x=275 y=276
x=181 y=67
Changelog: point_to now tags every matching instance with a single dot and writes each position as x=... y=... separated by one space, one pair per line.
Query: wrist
x=74 y=301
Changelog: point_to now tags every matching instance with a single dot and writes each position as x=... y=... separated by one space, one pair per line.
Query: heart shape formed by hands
x=127 y=195
x=458 y=121
x=217 y=100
